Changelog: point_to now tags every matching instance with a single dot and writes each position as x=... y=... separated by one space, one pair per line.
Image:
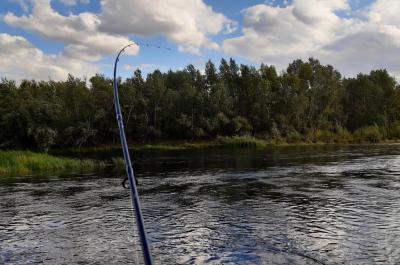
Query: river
x=291 y=205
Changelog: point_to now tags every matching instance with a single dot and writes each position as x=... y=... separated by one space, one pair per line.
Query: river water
x=293 y=205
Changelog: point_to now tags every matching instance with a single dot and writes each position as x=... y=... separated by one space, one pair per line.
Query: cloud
x=373 y=44
x=270 y=33
x=362 y=52
x=80 y=32
x=368 y=40
x=187 y=23
x=19 y=59
x=74 y=2
x=90 y=36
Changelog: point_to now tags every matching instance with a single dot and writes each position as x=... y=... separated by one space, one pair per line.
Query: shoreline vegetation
x=306 y=103
x=234 y=142
x=28 y=162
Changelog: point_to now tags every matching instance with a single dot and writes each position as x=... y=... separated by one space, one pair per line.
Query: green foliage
x=44 y=137
x=26 y=162
x=118 y=162
x=309 y=102
x=240 y=142
x=394 y=131
x=343 y=136
x=294 y=137
x=240 y=126
x=370 y=134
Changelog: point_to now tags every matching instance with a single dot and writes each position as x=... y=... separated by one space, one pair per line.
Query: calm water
x=309 y=205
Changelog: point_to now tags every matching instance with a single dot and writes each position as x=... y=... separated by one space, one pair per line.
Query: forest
x=308 y=102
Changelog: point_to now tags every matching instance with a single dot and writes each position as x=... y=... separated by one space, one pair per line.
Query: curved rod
x=129 y=171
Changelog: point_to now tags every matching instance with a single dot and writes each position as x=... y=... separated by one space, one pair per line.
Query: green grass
x=118 y=162
x=371 y=134
x=27 y=162
x=242 y=142
x=233 y=142
x=220 y=142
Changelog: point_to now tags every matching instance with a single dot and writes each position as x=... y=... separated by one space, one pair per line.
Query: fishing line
x=150 y=45
x=133 y=181
x=129 y=170
x=147 y=45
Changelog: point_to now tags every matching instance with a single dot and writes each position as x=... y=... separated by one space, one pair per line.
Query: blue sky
x=45 y=39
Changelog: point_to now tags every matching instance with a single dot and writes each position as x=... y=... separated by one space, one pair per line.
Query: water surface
x=303 y=205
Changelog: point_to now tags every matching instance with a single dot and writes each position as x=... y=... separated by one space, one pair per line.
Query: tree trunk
x=155 y=115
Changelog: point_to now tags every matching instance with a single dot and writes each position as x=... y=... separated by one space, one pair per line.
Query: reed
x=220 y=142
x=241 y=142
x=27 y=162
x=118 y=162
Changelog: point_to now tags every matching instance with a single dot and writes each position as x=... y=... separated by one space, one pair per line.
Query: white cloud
x=277 y=35
x=19 y=59
x=270 y=33
x=187 y=23
x=89 y=37
x=362 y=52
x=79 y=32
x=373 y=44
x=74 y=2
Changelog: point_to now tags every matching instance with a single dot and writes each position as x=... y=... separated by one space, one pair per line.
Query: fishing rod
x=130 y=174
x=129 y=171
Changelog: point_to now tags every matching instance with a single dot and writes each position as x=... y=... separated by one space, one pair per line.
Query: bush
x=240 y=126
x=370 y=134
x=275 y=133
x=241 y=142
x=294 y=137
x=221 y=123
x=44 y=138
x=394 y=131
x=325 y=136
x=343 y=135
x=81 y=135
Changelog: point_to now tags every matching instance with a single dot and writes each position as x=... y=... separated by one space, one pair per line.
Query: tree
x=307 y=99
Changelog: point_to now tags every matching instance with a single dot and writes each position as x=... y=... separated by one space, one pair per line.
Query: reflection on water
x=306 y=205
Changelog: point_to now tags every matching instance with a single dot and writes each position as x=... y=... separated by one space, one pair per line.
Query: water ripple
x=294 y=206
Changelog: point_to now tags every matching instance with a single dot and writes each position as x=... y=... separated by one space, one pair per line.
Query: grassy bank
x=224 y=142
x=26 y=162
x=220 y=142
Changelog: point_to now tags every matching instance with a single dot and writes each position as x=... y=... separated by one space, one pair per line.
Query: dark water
x=308 y=205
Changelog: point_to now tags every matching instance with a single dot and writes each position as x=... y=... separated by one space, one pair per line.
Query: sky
x=47 y=39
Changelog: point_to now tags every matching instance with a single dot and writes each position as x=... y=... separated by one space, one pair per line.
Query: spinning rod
x=129 y=171
x=131 y=176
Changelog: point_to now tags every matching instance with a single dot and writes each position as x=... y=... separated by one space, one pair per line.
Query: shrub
x=294 y=137
x=325 y=136
x=44 y=138
x=240 y=126
x=370 y=134
x=241 y=142
x=394 y=131
x=343 y=135
x=275 y=133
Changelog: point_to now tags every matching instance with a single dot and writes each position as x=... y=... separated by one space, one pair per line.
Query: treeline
x=307 y=102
